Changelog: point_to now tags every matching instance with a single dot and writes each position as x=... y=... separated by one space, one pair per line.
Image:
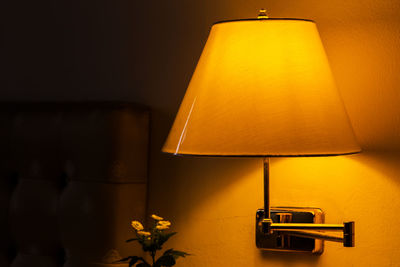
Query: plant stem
x=153 y=255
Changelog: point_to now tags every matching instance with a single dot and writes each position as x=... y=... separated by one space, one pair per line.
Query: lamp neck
x=266 y=189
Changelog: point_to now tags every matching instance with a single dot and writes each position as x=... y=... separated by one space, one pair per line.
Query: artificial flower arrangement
x=151 y=242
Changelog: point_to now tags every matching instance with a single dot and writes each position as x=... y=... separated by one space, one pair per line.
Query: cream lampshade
x=262 y=87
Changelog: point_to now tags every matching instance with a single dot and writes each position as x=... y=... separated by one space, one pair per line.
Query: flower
x=144 y=233
x=137 y=225
x=157 y=218
x=151 y=240
x=162 y=227
x=165 y=223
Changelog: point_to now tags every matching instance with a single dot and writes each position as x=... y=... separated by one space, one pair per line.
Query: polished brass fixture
x=302 y=223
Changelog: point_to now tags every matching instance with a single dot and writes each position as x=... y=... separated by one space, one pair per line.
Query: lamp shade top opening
x=262 y=88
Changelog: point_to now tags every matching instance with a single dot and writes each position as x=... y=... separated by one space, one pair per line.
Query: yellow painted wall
x=212 y=202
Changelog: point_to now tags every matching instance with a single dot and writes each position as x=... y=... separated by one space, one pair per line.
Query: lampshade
x=262 y=87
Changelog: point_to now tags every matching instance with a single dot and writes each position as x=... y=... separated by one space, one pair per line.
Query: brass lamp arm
x=313 y=234
x=303 y=230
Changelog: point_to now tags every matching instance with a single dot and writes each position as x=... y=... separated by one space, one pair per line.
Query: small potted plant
x=152 y=242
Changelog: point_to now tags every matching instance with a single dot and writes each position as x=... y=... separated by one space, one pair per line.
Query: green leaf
x=132 y=239
x=125 y=259
x=176 y=253
x=149 y=245
x=164 y=238
x=165 y=260
x=133 y=260
x=168 y=251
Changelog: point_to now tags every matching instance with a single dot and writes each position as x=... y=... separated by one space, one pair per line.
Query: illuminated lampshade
x=262 y=87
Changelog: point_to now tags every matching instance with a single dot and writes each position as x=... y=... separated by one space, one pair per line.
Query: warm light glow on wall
x=224 y=211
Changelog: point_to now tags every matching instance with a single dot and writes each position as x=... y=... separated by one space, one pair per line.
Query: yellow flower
x=157 y=218
x=137 y=225
x=162 y=227
x=164 y=223
x=144 y=233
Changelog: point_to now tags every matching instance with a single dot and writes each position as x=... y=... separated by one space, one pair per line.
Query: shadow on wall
x=385 y=163
x=290 y=259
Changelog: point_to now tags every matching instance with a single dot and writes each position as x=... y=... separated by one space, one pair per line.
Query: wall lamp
x=263 y=88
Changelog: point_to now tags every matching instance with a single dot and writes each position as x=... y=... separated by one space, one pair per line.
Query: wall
x=146 y=51
x=212 y=201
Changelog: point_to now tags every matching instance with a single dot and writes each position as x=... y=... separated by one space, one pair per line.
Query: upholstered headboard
x=73 y=176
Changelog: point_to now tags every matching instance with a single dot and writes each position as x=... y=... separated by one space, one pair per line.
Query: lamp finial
x=262 y=14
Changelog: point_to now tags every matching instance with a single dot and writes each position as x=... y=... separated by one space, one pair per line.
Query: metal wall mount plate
x=285 y=242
